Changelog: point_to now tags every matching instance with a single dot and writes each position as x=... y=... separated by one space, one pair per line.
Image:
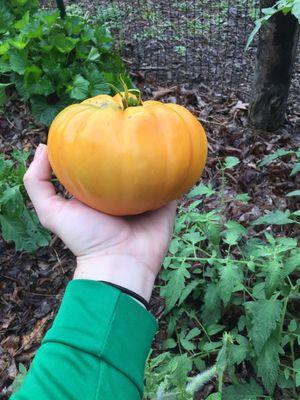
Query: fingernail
x=38 y=151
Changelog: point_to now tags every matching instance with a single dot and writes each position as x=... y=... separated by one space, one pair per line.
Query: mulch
x=32 y=286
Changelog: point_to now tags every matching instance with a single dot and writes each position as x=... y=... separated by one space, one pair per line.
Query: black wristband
x=129 y=292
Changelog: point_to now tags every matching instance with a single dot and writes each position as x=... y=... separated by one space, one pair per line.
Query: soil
x=32 y=286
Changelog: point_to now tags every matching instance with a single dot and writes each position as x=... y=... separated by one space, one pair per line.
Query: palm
x=87 y=231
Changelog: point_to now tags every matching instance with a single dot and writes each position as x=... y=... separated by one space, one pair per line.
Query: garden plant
x=227 y=298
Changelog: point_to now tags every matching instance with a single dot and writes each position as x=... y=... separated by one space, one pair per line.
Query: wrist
x=122 y=270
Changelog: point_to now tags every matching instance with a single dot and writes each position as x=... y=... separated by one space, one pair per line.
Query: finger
x=37 y=183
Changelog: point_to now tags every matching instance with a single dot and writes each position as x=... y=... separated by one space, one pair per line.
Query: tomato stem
x=127 y=100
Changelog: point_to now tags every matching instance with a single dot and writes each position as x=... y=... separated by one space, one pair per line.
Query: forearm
x=96 y=348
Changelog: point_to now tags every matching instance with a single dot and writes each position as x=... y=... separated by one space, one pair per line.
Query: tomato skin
x=126 y=162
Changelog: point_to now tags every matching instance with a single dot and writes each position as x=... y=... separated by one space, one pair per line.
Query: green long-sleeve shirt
x=96 y=348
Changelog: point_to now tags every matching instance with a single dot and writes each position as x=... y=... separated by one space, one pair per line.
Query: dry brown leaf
x=35 y=335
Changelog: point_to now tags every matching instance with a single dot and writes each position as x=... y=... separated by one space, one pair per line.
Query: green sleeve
x=96 y=348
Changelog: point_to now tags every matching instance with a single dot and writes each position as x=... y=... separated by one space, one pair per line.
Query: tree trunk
x=276 y=55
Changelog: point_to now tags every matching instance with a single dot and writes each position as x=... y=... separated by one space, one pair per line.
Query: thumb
x=39 y=188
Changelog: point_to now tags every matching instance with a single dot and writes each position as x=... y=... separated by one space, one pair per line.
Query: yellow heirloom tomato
x=122 y=156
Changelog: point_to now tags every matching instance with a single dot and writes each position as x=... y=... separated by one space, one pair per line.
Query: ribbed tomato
x=126 y=157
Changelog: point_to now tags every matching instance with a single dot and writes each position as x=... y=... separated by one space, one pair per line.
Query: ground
x=32 y=285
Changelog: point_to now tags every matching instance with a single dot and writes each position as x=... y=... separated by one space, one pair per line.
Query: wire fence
x=185 y=41
x=192 y=41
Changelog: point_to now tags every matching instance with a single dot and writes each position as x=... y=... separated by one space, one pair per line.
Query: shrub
x=18 y=224
x=53 y=62
x=219 y=280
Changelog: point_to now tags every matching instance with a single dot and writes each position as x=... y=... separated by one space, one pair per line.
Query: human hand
x=127 y=251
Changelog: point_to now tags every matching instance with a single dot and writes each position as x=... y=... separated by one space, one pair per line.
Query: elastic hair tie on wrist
x=130 y=293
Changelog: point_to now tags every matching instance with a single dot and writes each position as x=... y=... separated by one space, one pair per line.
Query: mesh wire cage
x=185 y=41
x=189 y=41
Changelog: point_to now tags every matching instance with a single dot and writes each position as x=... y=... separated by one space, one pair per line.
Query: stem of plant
x=292 y=340
x=285 y=303
x=220 y=384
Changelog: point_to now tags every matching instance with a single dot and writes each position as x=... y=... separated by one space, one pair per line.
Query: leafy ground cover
x=227 y=298
x=233 y=265
x=54 y=62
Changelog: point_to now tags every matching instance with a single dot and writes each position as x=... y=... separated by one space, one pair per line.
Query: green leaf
x=13 y=199
x=285 y=244
x=174 y=288
x=201 y=190
x=297 y=368
x=257 y=27
x=210 y=346
x=188 y=290
x=214 y=329
x=175 y=245
x=276 y=217
x=3 y=97
x=244 y=197
x=63 y=43
x=193 y=237
x=4 y=47
x=292 y=262
x=237 y=354
x=296 y=9
x=193 y=333
x=268 y=10
x=246 y=391
x=98 y=82
x=4 y=65
x=21 y=157
x=294 y=193
x=21 y=23
x=211 y=308
x=169 y=344
x=267 y=363
x=264 y=315
x=33 y=29
x=186 y=344
x=80 y=88
x=13 y=230
x=231 y=276
x=25 y=232
x=231 y=162
x=74 y=24
x=32 y=75
x=37 y=235
x=20 y=42
x=42 y=87
x=234 y=232
x=18 y=60
x=45 y=112
x=274 y=275
x=295 y=169
x=49 y=17
x=214 y=396
x=292 y=327
x=297 y=381
x=277 y=154
x=181 y=366
x=94 y=55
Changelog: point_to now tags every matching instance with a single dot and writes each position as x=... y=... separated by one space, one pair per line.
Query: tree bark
x=276 y=56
